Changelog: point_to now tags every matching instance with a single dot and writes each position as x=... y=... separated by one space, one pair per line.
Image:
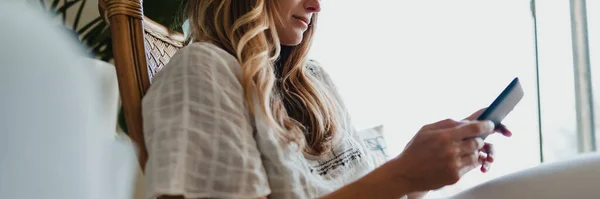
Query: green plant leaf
x=94 y=40
x=95 y=34
x=78 y=15
x=63 y=9
x=101 y=48
x=54 y=4
x=168 y=13
x=90 y=24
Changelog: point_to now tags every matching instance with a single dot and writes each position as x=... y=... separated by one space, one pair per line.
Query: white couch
x=569 y=179
x=56 y=135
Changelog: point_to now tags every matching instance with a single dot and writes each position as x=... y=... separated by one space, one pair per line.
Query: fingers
x=474 y=153
x=469 y=162
x=488 y=149
x=471 y=145
x=475 y=115
x=502 y=129
x=485 y=164
x=443 y=124
x=486 y=157
x=486 y=167
x=472 y=129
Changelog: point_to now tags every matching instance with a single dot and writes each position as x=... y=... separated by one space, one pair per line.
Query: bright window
x=557 y=89
x=593 y=14
x=404 y=64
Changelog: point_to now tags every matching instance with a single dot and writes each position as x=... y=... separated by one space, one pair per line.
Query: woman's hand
x=487 y=152
x=442 y=152
x=438 y=155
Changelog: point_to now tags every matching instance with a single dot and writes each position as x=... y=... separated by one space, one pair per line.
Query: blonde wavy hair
x=297 y=106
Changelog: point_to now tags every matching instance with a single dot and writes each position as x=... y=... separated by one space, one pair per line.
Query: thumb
x=475 y=115
x=473 y=129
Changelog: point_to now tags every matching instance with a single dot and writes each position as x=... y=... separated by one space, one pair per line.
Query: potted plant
x=94 y=32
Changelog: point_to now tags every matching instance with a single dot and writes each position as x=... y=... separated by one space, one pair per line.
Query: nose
x=313 y=6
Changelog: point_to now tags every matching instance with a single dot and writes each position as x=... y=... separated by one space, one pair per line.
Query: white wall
x=407 y=63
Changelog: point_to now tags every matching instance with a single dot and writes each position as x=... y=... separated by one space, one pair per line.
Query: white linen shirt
x=204 y=143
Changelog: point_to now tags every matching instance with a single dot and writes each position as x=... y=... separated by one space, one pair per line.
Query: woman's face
x=294 y=18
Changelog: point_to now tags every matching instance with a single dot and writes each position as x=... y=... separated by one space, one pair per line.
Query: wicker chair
x=141 y=48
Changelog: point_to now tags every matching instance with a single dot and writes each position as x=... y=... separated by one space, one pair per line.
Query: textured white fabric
x=577 y=177
x=203 y=142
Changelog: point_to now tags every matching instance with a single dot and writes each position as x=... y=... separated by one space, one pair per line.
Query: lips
x=304 y=19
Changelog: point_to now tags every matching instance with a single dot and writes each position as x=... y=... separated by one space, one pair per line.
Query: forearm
x=381 y=184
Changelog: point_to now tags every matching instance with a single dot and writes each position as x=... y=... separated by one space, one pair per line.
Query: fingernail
x=490 y=125
x=508 y=133
x=480 y=142
x=482 y=159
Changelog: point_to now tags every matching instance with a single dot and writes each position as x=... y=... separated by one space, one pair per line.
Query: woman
x=242 y=113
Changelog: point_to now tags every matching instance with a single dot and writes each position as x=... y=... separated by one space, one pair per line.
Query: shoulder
x=204 y=59
x=198 y=67
x=317 y=70
x=204 y=49
x=314 y=67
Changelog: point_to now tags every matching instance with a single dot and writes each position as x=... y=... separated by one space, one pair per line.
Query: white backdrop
x=407 y=63
x=593 y=11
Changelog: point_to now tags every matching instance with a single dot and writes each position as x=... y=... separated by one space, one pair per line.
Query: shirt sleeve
x=198 y=131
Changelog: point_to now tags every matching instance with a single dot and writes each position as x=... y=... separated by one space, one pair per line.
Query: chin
x=295 y=43
x=292 y=40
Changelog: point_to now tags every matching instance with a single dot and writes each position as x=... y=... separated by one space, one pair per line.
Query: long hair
x=296 y=105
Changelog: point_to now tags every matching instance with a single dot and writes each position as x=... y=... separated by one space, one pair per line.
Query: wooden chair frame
x=141 y=47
